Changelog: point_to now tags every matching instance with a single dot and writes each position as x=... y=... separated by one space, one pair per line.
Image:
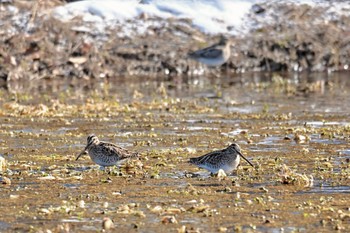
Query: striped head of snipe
x=92 y=140
x=236 y=149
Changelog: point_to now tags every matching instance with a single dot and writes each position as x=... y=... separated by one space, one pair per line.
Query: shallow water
x=296 y=130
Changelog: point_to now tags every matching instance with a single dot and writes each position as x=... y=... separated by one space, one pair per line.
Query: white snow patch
x=210 y=16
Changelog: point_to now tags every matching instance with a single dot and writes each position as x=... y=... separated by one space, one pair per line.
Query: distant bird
x=215 y=55
x=226 y=159
x=104 y=153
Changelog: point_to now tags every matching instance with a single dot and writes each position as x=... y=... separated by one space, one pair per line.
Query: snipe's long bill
x=105 y=153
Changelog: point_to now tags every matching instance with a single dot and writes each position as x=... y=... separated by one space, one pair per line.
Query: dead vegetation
x=35 y=45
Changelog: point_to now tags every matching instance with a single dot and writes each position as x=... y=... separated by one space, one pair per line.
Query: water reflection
x=4 y=225
x=327 y=189
x=237 y=87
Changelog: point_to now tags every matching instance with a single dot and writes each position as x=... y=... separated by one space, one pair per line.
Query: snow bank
x=210 y=16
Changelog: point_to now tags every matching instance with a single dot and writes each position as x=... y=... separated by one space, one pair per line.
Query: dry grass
x=34 y=45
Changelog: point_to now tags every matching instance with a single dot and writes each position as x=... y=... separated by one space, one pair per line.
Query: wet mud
x=295 y=130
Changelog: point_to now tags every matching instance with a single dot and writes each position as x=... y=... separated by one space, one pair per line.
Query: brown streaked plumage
x=215 y=55
x=105 y=153
x=226 y=159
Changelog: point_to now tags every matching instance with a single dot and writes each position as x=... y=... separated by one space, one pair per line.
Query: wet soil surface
x=295 y=130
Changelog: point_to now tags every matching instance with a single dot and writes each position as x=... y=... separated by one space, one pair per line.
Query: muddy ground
x=296 y=133
x=58 y=87
x=285 y=37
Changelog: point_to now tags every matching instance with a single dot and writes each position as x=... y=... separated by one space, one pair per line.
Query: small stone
x=238 y=195
x=5 y=180
x=172 y=210
x=107 y=223
x=267 y=221
x=300 y=138
x=168 y=219
x=249 y=202
x=221 y=174
x=182 y=229
x=157 y=209
x=44 y=211
x=264 y=189
x=258 y=9
x=81 y=204
x=2 y=164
